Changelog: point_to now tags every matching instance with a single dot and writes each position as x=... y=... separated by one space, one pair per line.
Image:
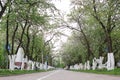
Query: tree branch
x=49 y=39
x=72 y=28
x=96 y=16
x=3 y=8
x=113 y=26
x=1 y=5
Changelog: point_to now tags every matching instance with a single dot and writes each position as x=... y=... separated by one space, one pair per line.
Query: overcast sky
x=63 y=5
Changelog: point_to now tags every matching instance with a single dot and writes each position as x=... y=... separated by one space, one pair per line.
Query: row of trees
x=96 y=31
x=23 y=23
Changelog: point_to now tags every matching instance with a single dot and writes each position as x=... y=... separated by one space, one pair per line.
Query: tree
x=104 y=15
x=19 y=25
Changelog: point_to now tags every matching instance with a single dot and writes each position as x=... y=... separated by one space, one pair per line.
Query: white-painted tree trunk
x=41 y=66
x=71 y=67
x=50 y=67
x=26 y=62
x=20 y=55
x=33 y=65
x=110 y=61
x=81 y=66
x=26 y=59
x=29 y=64
x=23 y=64
x=37 y=64
x=19 y=58
x=88 y=65
x=76 y=66
x=94 y=64
x=45 y=65
x=85 y=66
x=11 y=61
x=100 y=63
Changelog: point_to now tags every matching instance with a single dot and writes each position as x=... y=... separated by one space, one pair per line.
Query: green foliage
x=84 y=15
x=27 y=21
x=73 y=52
x=3 y=59
x=3 y=56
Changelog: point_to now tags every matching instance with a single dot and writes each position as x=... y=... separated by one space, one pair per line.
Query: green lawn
x=104 y=71
x=18 y=72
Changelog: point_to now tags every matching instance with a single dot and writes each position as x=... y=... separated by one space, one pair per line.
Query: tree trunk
x=20 y=41
x=13 y=39
x=89 y=51
x=12 y=61
x=107 y=30
x=3 y=8
x=33 y=43
x=109 y=43
x=33 y=65
x=28 y=43
x=7 y=32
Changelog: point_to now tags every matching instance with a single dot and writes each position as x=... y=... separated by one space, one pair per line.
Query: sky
x=64 y=7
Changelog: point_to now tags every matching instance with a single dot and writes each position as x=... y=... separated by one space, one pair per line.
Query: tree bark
x=33 y=43
x=107 y=28
x=28 y=42
x=89 y=51
x=13 y=38
x=23 y=31
x=7 y=32
x=3 y=8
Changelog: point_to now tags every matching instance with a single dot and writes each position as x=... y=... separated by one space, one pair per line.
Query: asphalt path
x=61 y=75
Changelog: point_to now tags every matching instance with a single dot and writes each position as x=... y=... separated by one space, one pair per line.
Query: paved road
x=61 y=75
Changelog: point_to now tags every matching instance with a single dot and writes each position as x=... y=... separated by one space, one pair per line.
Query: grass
x=4 y=72
x=103 y=71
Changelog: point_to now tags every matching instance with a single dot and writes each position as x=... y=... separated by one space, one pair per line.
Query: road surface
x=61 y=75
